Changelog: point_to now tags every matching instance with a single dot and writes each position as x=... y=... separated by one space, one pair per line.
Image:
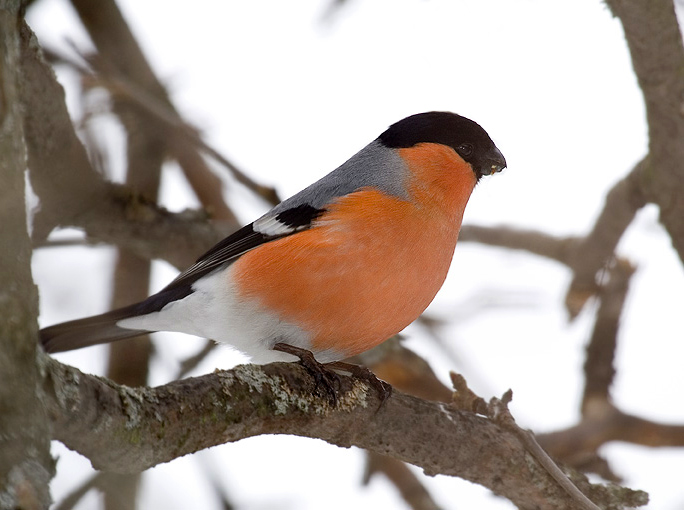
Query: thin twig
x=497 y=410
x=75 y=496
x=537 y=451
x=189 y=364
x=124 y=89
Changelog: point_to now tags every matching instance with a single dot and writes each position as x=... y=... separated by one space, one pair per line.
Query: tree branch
x=401 y=476
x=603 y=424
x=152 y=232
x=111 y=35
x=595 y=251
x=73 y=194
x=126 y=430
x=560 y=249
x=598 y=366
x=585 y=256
x=60 y=172
x=147 y=147
x=655 y=44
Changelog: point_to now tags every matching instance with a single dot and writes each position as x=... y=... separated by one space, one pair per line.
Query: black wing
x=267 y=228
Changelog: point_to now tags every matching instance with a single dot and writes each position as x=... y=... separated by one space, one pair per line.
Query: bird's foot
x=324 y=377
x=384 y=389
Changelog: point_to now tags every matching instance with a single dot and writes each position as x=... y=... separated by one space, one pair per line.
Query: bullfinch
x=334 y=270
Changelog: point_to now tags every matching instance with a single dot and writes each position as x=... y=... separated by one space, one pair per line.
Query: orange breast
x=371 y=264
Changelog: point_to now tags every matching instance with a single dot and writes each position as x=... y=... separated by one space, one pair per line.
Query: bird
x=332 y=271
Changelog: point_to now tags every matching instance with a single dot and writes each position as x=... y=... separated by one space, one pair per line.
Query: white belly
x=214 y=310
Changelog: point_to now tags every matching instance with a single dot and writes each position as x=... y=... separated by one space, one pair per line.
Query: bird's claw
x=326 y=378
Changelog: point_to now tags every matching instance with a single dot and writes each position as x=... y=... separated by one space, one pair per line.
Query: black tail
x=99 y=329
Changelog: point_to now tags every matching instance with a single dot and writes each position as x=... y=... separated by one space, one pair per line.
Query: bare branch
x=598 y=367
x=597 y=249
x=585 y=256
x=401 y=476
x=59 y=169
x=497 y=410
x=184 y=134
x=561 y=249
x=75 y=496
x=655 y=44
x=603 y=423
x=145 y=426
x=147 y=147
x=190 y=363
x=73 y=194
x=124 y=219
x=129 y=74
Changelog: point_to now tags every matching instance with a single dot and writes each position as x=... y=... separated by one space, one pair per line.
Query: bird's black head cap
x=466 y=137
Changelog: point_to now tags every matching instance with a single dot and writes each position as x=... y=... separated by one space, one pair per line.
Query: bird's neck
x=439 y=178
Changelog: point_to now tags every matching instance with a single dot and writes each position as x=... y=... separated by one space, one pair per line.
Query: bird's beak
x=495 y=162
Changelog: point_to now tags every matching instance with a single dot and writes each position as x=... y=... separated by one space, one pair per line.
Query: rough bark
x=26 y=466
x=126 y=430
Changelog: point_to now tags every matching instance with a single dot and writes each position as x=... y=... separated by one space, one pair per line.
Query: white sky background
x=289 y=96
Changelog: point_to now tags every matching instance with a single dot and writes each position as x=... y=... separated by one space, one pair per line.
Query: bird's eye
x=465 y=149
